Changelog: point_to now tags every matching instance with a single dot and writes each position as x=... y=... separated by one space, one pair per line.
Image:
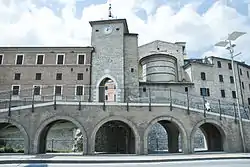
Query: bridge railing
x=68 y=93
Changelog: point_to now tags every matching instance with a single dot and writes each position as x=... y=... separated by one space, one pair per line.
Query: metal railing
x=68 y=93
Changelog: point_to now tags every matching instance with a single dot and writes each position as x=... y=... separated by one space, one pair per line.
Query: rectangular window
x=247 y=74
x=186 y=89
x=17 y=76
x=79 y=90
x=38 y=76
x=58 y=90
x=19 y=59
x=204 y=92
x=1 y=59
x=60 y=59
x=221 y=78
x=218 y=64
x=234 y=94
x=240 y=71
x=231 y=79
x=248 y=101
x=81 y=59
x=222 y=92
x=80 y=76
x=37 y=90
x=58 y=76
x=203 y=76
x=243 y=86
x=15 y=90
x=229 y=66
x=39 y=59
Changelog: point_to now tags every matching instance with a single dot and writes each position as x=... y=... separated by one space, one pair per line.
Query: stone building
x=157 y=72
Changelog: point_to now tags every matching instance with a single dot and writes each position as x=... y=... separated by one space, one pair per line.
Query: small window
x=229 y=66
x=243 y=86
x=87 y=69
x=249 y=86
x=58 y=76
x=204 y=92
x=117 y=29
x=222 y=92
x=218 y=64
x=203 y=76
x=15 y=90
x=39 y=59
x=144 y=89
x=106 y=87
x=37 y=90
x=231 y=79
x=81 y=58
x=240 y=71
x=1 y=59
x=79 y=90
x=106 y=97
x=17 y=76
x=19 y=59
x=38 y=76
x=132 y=69
x=80 y=76
x=248 y=101
x=60 y=59
x=247 y=74
x=186 y=89
x=96 y=30
x=234 y=94
x=58 y=90
x=221 y=78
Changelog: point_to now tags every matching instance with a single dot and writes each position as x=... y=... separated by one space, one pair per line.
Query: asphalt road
x=207 y=163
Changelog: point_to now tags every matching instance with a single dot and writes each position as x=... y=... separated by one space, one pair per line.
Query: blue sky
x=200 y=23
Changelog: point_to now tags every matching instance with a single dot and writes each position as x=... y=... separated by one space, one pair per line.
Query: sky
x=200 y=23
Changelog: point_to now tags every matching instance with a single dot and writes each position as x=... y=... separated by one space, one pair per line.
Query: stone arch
x=179 y=125
x=47 y=122
x=219 y=127
x=99 y=82
x=22 y=130
x=116 y=118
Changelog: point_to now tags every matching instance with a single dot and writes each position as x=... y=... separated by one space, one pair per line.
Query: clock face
x=108 y=30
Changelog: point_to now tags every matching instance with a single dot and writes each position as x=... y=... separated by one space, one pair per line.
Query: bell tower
x=107 y=38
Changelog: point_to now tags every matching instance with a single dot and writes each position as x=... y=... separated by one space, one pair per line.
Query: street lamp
x=232 y=37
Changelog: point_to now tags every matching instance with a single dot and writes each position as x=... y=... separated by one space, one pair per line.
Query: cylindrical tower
x=159 y=68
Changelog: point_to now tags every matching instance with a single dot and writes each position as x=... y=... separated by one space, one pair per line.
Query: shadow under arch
x=23 y=132
x=43 y=128
x=121 y=119
x=100 y=87
x=214 y=144
x=176 y=123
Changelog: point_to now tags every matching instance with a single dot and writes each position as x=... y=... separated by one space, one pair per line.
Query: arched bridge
x=124 y=127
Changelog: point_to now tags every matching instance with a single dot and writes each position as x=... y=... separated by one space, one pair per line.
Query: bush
x=10 y=150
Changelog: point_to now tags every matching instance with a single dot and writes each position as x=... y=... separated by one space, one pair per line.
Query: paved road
x=207 y=163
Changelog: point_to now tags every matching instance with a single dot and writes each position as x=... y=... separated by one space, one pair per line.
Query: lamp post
x=232 y=37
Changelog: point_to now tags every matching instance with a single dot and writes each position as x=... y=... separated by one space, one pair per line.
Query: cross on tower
x=110 y=10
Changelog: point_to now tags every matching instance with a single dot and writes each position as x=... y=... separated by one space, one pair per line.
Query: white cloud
x=22 y=23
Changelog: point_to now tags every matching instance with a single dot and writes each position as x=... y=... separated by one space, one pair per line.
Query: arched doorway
x=13 y=139
x=107 y=90
x=164 y=137
x=208 y=137
x=115 y=137
x=61 y=136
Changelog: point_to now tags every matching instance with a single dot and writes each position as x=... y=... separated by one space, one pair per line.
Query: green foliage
x=10 y=150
